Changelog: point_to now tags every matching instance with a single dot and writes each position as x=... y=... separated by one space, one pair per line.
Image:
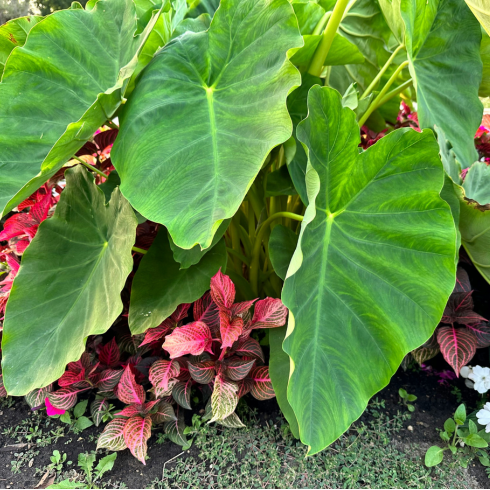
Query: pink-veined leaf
x=244 y=387
x=131 y=411
x=105 y=138
x=224 y=398
x=180 y=313
x=109 y=379
x=112 y=438
x=136 y=432
x=230 y=329
x=97 y=409
x=482 y=334
x=85 y=360
x=64 y=399
x=462 y=281
x=35 y=398
x=161 y=372
x=157 y=333
x=269 y=313
x=175 y=431
x=458 y=346
x=3 y=391
x=70 y=378
x=222 y=290
x=205 y=310
x=109 y=354
x=164 y=412
x=262 y=386
x=128 y=390
x=251 y=348
x=193 y=338
x=181 y=393
x=241 y=308
x=237 y=369
x=203 y=372
x=184 y=374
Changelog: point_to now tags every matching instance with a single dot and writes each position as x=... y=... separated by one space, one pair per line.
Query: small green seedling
x=57 y=461
x=86 y=463
x=79 y=422
x=463 y=439
x=406 y=398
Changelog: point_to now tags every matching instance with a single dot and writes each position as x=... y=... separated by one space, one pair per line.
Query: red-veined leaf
x=70 y=378
x=109 y=355
x=251 y=348
x=230 y=329
x=462 y=281
x=3 y=391
x=241 y=308
x=244 y=387
x=458 y=346
x=232 y=422
x=194 y=338
x=262 y=386
x=64 y=399
x=109 y=379
x=206 y=310
x=181 y=393
x=203 y=372
x=482 y=334
x=97 y=409
x=180 y=313
x=136 y=432
x=35 y=398
x=269 y=313
x=128 y=391
x=161 y=372
x=224 y=398
x=164 y=412
x=105 y=138
x=222 y=290
x=175 y=431
x=184 y=374
x=157 y=333
x=237 y=369
x=112 y=438
x=161 y=393
x=131 y=411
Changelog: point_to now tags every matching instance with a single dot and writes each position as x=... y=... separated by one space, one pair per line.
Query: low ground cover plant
x=251 y=142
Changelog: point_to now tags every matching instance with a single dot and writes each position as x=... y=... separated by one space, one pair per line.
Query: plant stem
x=139 y=250
x=382 y=72
x=375 y=103
x=235 y=242
x=395 y=92
x=323 y=48
x=238 y=254
x=321 y=24
x=90 y=167
x=254 y=265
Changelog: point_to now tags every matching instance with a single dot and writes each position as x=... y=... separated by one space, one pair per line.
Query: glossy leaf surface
x=373 y=269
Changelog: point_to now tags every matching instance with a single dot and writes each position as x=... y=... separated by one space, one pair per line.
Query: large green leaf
x=374 y=266
x=69 y=284
x=204 y=115
x=59 y=88
x=476 y=184
x=481 y=9
x=13 y=34
x=484 y=90
x=282 y=244
x=160 y=285
x=443 y=45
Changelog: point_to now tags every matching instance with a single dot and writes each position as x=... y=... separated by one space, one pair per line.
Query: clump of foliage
x=462 y=438
x=237 y=147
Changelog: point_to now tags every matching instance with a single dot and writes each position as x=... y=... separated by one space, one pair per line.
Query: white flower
x=466 y=371
x=481 y=377
x=483 y=416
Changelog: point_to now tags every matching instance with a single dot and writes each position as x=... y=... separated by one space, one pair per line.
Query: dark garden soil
x=437 y=401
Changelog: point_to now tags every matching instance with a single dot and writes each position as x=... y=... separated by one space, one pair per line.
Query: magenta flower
x=52 y=410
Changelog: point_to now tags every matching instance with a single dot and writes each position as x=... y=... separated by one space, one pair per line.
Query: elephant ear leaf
x=373 y=269
x=203 y=99
x=81 y=61
x=69 y=285
x=481 y=9
x=443 y=46
x=13 y=34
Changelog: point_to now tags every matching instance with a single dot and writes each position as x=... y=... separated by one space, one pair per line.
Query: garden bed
x=384 y=449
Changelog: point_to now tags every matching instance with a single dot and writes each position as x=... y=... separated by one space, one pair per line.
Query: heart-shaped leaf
x=262 y=386
x=237 y=369
x=202 y=372
x=236 y=80
x=458 y=346
x=368 y=282
x=71 y=279
x=77 y=88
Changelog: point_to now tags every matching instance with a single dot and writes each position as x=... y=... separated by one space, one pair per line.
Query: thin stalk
x=381 y=95
x=395 y=92
x=251 y=222
x=323 y=48
x=247 y=244
x=321 y=24
x=255 y=201
x=382 y=72
x=90 y=167
x=254 y=264
x=239 y=255
x=139 y=250
x=235 y=243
